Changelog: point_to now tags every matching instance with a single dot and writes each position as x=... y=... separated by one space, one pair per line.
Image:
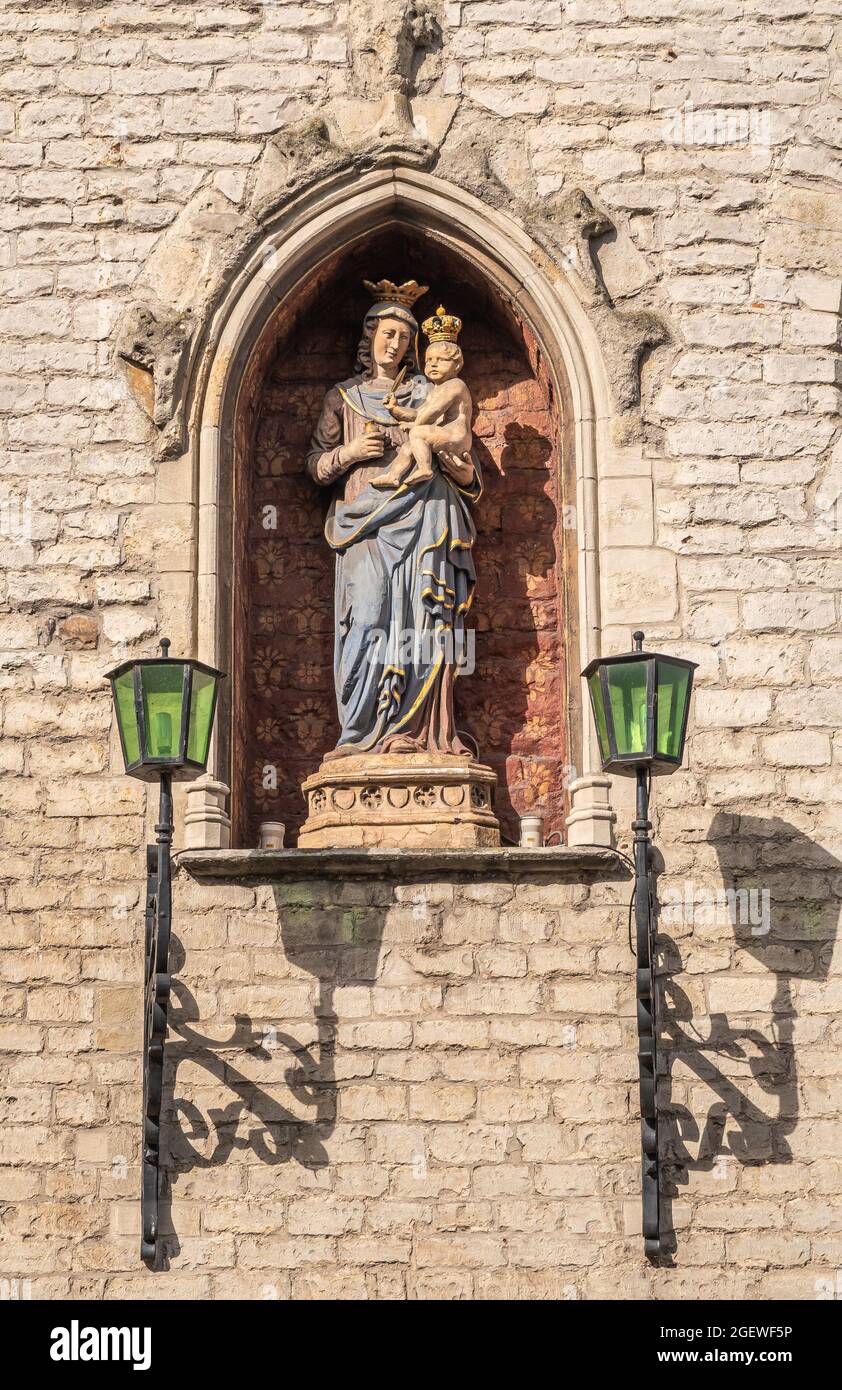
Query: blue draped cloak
x=404 y=583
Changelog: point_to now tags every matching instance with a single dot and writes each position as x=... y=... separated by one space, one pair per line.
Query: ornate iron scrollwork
x=156 y=1001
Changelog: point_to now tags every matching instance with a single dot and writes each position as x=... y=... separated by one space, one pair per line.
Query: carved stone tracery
x=398 y=800
x=189 y=269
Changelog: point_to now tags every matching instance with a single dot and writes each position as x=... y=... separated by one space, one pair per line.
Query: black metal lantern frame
x=641 y=765
x=150 y=767
x=626 y=764
x=646 y=990
x=147 y=766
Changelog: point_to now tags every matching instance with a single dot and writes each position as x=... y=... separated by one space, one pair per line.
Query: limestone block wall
x=722 y=540
x=418 y=1088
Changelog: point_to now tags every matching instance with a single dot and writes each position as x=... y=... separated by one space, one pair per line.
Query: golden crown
x=405 y=294
x=442 y=327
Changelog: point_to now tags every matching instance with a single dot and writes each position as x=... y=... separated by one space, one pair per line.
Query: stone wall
x=724 y=543
x=398 y=1087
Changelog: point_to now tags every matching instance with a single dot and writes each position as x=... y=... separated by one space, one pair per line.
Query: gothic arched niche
x=515 y=704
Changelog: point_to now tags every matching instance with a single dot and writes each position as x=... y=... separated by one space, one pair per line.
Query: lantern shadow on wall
x=795 y=944
x=277 y=1076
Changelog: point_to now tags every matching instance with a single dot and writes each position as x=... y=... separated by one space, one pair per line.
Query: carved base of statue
x=400 y=801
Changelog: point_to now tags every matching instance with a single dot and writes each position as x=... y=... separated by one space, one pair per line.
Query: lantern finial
x=637 y=638
x=164 y=647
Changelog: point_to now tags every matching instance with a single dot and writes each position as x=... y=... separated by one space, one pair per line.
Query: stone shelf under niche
x=564 y=862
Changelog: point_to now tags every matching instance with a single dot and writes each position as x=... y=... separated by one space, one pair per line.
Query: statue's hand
x=460 y=469
x=371 y=445
x=390 y=403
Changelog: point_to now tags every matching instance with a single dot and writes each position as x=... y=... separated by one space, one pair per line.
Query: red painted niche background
x=514 y=704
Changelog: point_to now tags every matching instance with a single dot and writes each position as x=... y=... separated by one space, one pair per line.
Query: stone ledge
x=566 y=861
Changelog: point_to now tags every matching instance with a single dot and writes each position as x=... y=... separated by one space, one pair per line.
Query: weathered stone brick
x=451 y=1080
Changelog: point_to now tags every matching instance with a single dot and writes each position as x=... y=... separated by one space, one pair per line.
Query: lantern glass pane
x=163 y=693
x=672 y=684
x=595 y=687
x=627 y=694
x=127 y=716
x=201 y=716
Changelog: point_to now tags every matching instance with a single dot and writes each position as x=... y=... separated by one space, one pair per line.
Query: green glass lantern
x=640 y=703
x=165 y=711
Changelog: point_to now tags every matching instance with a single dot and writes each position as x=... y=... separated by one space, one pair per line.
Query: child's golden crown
x=442 y=327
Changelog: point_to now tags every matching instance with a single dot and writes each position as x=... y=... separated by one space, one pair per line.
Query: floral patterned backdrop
x=513 y=706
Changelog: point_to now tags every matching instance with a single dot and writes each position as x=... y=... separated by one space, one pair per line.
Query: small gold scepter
x=372 y=425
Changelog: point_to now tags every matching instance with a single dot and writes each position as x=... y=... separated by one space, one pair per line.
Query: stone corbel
x=566 y=230
x=153 y=346
x=178 y=288
x=625 y=337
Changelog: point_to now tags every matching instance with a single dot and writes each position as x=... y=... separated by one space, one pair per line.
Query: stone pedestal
x=207 y=824
x=400 y=801
x=591 y=819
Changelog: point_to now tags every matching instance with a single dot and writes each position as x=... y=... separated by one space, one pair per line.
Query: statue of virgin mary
x=404 y=565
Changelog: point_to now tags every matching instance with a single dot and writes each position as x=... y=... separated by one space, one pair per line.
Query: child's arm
x=399 y=412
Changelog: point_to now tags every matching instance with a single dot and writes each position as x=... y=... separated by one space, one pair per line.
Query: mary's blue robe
x=404 y=583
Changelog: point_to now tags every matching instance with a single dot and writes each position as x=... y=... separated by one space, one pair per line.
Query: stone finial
x=386 y=37
x=207 y=824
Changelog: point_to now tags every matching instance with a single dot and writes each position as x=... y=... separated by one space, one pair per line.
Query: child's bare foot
x=422 y=474
x=386 y=480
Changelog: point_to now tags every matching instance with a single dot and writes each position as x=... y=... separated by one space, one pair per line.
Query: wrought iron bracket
x=647 y=1023
x=156 y=1001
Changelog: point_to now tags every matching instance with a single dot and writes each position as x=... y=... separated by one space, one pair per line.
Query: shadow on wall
x=781 y=907
x=513 y=706
x=294 y=1107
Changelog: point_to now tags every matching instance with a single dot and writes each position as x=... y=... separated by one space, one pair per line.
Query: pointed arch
x=310 y=230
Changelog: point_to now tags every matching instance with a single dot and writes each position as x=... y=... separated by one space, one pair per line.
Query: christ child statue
x=442 y=424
